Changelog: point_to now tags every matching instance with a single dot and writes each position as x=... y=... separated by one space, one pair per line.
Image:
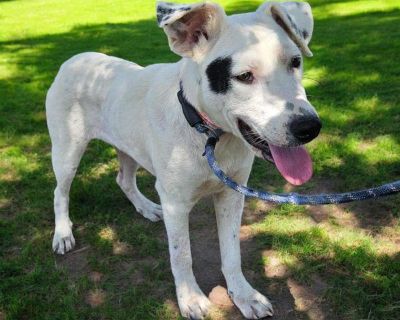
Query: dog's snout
x=305 y=129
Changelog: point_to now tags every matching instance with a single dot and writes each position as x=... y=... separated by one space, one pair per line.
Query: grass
x=121 y=268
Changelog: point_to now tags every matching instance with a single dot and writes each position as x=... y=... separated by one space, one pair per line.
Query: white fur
x=136 y=110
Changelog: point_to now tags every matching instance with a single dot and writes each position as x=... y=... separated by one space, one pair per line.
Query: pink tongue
x=294 y=164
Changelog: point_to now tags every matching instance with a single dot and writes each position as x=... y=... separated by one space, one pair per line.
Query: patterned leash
x=293 y=198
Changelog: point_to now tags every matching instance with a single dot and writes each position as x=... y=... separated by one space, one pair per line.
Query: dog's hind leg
x=126 y=179
x=66 y=155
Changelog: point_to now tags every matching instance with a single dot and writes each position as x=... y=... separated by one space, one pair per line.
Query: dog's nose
x=306 y=128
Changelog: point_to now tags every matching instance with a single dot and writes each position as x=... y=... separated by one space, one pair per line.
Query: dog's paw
x=151 y=211
x=193 y=305
x=253 y=305
x=63 y=240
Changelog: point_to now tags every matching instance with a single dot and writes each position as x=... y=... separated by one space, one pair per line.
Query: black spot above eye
x=219 y=75
x=295 y=62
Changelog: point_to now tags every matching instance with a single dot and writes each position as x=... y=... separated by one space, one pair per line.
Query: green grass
x=354 y=82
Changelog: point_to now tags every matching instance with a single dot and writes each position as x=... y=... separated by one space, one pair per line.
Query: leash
x=202 y=125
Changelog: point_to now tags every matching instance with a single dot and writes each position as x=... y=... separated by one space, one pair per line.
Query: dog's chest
x=234 y=159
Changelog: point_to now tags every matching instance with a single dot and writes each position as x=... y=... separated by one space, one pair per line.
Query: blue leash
x=295 y=198
x=213 y=135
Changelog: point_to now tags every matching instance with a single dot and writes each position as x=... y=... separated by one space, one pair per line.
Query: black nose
x=306 y=128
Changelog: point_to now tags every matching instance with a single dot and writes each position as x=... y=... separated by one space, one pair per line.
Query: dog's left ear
x=295 y=18
x=191 y=29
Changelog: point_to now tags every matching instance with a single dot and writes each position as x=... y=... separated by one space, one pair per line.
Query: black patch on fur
x=219 y=75
x=293 y=24
x=305 y=34
x=185 y=8
x=163 y=10
x=164 y=13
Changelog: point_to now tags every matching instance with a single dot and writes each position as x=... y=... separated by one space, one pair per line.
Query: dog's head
x=246 y=73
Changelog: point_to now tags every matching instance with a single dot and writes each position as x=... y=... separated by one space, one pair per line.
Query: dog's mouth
x=293 y=163
x=255 y=140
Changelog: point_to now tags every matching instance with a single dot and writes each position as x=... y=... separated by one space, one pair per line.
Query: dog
x=242 y=72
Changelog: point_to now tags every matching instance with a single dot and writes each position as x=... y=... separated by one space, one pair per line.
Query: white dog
x=244 y=73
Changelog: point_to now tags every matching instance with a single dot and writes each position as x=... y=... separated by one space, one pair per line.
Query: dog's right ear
x=191 y=29
x=295 y=18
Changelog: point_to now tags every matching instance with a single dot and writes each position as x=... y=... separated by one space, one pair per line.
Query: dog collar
x=196 y=119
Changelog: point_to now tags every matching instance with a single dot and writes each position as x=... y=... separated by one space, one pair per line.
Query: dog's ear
x=295 y=18
x=191 y=29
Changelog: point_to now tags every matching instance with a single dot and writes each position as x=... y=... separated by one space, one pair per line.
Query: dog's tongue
x=294 y=164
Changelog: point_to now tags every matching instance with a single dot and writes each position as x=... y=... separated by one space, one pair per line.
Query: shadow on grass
x=346 y=83
x=353 y=273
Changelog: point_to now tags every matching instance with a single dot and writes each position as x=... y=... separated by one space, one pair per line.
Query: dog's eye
x=295 y=63
x=246 y=77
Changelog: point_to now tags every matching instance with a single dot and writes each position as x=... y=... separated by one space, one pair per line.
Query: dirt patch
x=9 y=208
x=172 y=307
x=95 y=298
x=309 y=298
x=75 y=262
x=254 y=211
x=12 y=252
x=205 y=247
x=318 y=213
x=131 y=272
x=219 y=296
x=373 y=215
x=122 y=248
x=274 y=267
x=246 y=233
x=95 y=276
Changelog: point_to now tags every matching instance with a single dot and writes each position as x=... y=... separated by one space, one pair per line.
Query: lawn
x=331 y=262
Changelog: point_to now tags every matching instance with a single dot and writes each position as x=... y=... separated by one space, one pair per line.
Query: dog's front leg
x=192 y=301
x=229 y=207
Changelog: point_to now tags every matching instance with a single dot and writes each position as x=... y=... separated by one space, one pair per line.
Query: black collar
x=189 y=111
x=193 y=117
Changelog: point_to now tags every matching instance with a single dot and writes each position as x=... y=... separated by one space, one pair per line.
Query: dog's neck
x=191 y=81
